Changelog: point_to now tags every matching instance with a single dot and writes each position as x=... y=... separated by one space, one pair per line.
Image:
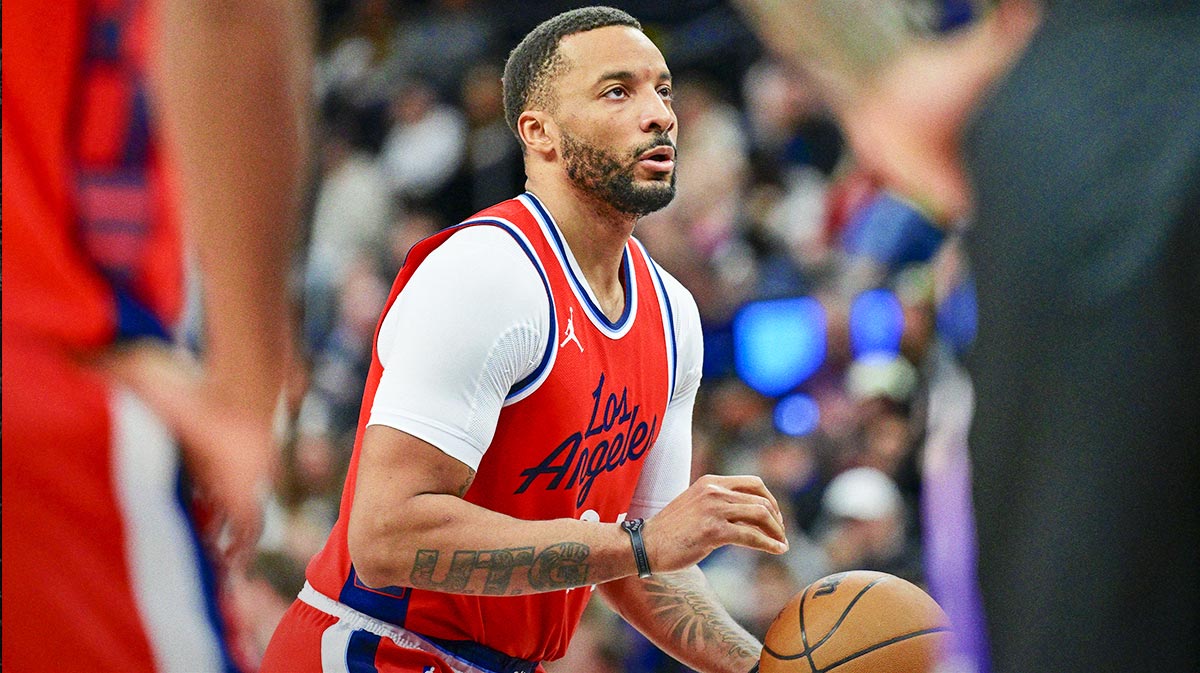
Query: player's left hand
x=230 y=452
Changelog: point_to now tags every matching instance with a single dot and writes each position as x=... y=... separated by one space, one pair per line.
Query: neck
x=596 y=233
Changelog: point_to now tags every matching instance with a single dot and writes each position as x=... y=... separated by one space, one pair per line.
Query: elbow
x=374 y=563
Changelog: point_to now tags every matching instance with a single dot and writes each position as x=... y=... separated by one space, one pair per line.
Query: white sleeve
x=472 y=321
x=668 y=468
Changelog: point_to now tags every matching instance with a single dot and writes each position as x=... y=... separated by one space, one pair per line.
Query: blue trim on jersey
x=134 y=320
x=137 y=142
x=388 y=603
x=360 y=652
x=662 y=288
x=207 y=575
x=520 y=386
x=581 y=288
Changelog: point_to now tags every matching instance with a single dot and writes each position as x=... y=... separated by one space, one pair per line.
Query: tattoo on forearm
x=693 y=620
x=559 y=566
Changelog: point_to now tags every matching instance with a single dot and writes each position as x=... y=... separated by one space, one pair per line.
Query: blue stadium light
x=797 y=415
x=778 y=343
x=876 y=323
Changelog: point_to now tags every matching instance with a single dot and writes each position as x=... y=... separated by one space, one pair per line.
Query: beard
x=603 y=175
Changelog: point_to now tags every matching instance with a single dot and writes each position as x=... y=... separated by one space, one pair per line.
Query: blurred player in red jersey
x=133 y=132
x=525 y=434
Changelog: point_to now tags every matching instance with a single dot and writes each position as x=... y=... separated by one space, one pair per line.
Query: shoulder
x=478 y=280
x=483 y=255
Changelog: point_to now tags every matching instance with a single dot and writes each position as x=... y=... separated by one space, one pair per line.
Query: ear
x=538 y=132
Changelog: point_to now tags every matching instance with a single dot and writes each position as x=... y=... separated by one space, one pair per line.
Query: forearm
x=233 y=86
x=441 y=542
x=682 y=615
x=411 y=526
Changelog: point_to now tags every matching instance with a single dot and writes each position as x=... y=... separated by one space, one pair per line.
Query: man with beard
x=525 y=434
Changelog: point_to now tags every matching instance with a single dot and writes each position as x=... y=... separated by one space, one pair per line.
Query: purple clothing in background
x=948 y=517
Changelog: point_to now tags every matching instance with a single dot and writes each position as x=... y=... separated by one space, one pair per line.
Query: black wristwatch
x=634 y=528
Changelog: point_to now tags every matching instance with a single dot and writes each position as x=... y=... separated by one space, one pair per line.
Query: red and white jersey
x=92 y=249
x=591 y=422
x=104 y=566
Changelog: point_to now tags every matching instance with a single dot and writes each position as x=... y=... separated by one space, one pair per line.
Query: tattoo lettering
x=559 y=566
x=462 y=566
x=692 y=618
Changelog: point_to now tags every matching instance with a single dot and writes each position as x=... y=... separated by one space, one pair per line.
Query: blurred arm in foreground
x=232 y=83
x=902 y=99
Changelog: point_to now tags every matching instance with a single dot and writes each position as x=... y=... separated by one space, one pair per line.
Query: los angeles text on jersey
x=619 y=434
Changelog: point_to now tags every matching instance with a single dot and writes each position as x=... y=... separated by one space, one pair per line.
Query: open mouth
x=660 y=159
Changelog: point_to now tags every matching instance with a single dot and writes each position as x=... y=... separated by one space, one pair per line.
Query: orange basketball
x=856 y=622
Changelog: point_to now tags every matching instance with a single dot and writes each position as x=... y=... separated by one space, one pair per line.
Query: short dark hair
x=534 y=61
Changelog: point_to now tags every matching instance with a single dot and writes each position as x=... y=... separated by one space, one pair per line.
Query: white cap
x=881 y=375
x=862 y=493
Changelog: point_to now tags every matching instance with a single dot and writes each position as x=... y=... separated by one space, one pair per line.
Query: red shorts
x=310 y=641
x=338 y=639
x=103 y=570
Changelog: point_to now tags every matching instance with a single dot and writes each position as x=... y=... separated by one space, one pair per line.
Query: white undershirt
x=472 y=321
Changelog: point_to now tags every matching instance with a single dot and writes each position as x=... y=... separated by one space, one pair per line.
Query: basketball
x=856 y=622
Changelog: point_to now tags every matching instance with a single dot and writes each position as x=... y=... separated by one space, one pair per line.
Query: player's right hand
x=713 y=512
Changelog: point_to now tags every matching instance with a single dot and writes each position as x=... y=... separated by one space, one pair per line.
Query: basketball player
x=1078 y=150
x=525 y=431
x=108 y=175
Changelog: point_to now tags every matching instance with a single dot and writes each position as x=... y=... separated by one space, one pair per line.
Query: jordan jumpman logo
x=570 y=331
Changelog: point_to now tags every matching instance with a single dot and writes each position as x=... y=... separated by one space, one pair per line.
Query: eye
x=665 y=92
x=616 y=93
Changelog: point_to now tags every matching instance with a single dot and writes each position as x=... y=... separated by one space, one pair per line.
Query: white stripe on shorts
x=336 y=639
x=334 y=643
x=159 y=547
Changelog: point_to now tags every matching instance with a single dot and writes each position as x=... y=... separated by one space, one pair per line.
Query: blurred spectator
x=867 y=525
x=790 y=468
x=355 y=43
x=340 y=367
x=597 y=646
x=353 y=209
x=797 y=217
x=790 y=124
x=406 y=231
x=262 y=595
x=492 y=170
x=772 y=584
x=425 y=144
x=440 y=41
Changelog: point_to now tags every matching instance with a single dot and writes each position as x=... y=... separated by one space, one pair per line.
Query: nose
x=658 y=117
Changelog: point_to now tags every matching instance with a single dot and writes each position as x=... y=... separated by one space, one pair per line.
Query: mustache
x=660 y=140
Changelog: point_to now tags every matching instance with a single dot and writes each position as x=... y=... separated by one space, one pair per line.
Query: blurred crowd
x=770 y=205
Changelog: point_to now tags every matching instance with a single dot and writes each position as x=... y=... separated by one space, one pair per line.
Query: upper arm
x=472 y=322
x=394 y=466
